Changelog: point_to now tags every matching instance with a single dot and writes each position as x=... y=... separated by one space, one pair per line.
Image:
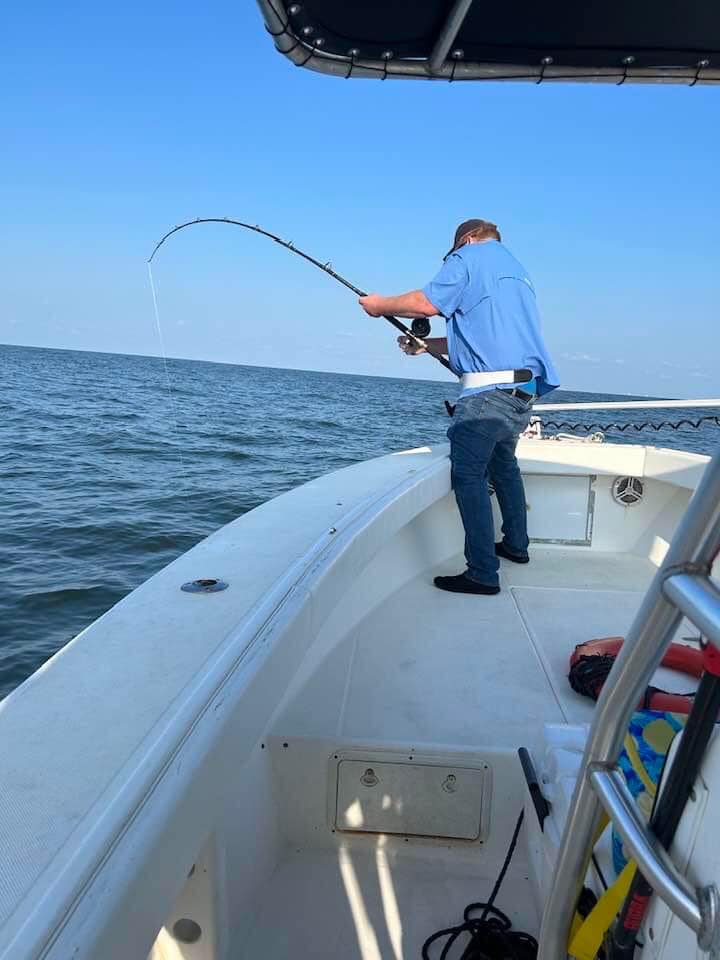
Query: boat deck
x=363 y=906
x=435 y=667
x=470 y=673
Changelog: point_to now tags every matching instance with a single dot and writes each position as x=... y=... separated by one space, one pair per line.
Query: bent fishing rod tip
x=289 y=245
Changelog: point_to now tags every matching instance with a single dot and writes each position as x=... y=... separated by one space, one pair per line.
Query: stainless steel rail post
x=694 y=545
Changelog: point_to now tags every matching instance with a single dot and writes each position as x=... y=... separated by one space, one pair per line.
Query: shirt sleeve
x=445 y=290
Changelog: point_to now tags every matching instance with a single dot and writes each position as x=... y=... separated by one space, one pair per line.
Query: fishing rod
x=420 y=326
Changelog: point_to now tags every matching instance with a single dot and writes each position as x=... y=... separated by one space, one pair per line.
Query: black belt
x=513 y=391
x=520 y=394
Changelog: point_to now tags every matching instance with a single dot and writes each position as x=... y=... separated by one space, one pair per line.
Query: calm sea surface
x=105 y=476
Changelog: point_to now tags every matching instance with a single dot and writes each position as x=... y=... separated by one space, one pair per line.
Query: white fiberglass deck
x=441 y=668
x=429 y=667
x=373 y=906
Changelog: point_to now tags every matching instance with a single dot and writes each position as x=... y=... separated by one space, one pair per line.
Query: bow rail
x=628 y=405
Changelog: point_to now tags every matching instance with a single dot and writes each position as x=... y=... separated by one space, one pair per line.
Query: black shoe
x=502 y=551
x=463 y=584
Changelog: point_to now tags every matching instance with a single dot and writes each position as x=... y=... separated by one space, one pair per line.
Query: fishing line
x=420 y=327
x=171 y=395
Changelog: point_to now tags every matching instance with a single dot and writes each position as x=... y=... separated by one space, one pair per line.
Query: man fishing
x=495 y=346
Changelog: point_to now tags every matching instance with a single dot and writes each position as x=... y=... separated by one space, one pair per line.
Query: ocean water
x=106 y=475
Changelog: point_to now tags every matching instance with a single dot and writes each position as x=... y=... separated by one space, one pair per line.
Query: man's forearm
x=407 y=305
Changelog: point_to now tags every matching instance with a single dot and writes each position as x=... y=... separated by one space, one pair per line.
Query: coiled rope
x=491 y=934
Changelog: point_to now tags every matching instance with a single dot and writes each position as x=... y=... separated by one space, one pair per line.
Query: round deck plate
x=204 y=585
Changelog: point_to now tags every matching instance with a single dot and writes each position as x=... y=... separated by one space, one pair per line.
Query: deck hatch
x=560 y=509
x=410 y=798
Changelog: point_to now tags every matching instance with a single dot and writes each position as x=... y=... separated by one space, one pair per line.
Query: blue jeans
x=483 y=437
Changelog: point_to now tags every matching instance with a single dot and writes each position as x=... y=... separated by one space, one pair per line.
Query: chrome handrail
x=691 y=552
x=629 y=405
x=699 y=600
x=653 y=861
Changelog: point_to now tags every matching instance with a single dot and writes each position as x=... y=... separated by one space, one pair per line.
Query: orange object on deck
x=591 y=662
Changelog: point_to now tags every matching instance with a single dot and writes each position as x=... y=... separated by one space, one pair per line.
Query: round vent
x=627 y=491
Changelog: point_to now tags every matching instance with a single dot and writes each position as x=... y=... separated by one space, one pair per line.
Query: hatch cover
x=410 y=798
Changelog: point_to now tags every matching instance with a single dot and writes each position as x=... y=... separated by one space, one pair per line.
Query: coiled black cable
x=491 y=934
x=622 y=427
x=588 y=674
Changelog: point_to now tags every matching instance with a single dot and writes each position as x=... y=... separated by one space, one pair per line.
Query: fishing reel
x=420 y=327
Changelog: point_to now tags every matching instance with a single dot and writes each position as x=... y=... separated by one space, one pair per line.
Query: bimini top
x=646 y=41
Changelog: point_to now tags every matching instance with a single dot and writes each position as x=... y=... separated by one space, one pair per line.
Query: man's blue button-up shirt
x=492 y=316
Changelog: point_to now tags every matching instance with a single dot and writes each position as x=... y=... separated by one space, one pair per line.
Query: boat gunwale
x=62 y=880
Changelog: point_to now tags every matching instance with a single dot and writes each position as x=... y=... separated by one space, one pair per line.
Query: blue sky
x=118 y=121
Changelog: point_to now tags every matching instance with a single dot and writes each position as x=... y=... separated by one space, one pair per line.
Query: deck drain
x=205 y=585
x=186 y=930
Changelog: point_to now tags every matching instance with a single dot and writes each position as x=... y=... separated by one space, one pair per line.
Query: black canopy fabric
x=610 y=40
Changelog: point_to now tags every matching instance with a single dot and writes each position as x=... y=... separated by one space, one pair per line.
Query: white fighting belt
x=470 y=380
